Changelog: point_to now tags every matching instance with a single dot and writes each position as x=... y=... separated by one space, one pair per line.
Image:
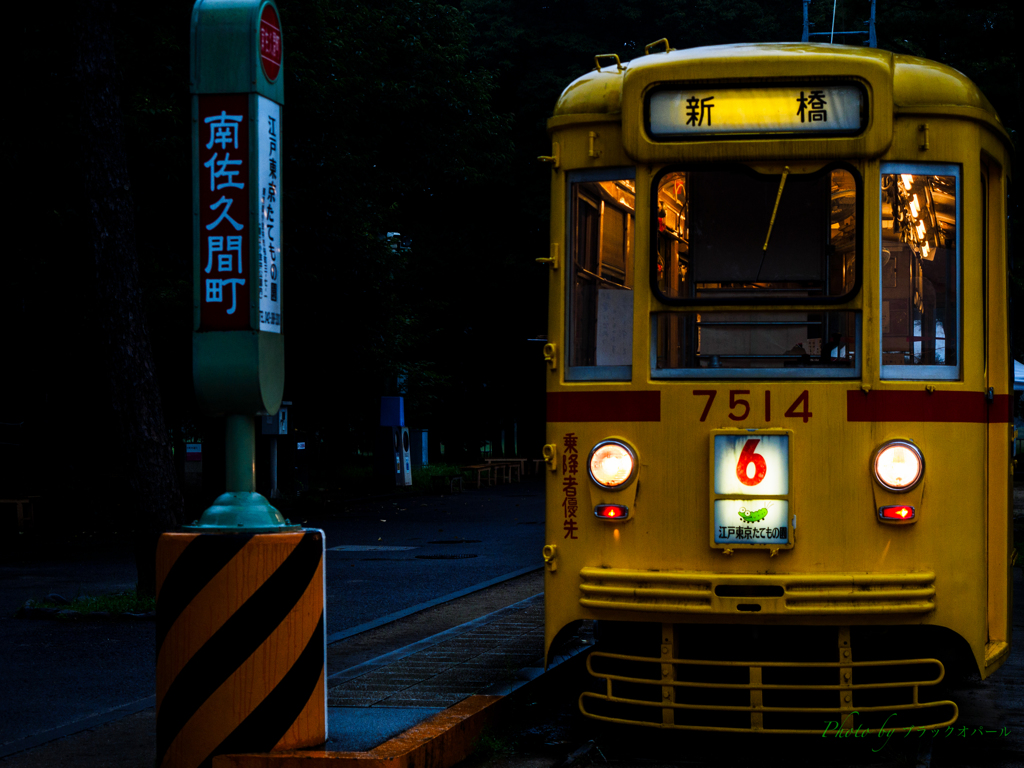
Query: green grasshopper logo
x=758 y=514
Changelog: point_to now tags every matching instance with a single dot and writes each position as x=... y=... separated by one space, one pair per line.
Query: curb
x=442 y=740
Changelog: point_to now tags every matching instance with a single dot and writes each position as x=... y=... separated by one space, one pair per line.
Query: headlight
x=898 y=465
x=612 y=464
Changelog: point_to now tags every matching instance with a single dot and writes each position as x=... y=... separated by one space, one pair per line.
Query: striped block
x=241 y=644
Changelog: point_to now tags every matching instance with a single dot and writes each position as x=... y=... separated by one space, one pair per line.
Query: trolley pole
x=240 y=592
x=872 y=38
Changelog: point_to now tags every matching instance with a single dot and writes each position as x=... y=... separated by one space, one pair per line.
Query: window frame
x=925 y=372
x=591 y=372
x=758 y=373
x=754 y=300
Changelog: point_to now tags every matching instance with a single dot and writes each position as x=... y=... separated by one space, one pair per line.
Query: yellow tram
x=778 y=394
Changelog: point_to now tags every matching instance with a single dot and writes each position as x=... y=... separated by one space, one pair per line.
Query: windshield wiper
x=778 y=199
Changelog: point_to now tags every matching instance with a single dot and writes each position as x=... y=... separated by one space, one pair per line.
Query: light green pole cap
x=242 y=512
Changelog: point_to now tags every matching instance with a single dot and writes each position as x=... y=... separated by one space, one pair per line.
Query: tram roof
x=918 y=85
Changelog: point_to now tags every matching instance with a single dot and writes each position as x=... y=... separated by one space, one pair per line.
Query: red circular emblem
x=270 y=42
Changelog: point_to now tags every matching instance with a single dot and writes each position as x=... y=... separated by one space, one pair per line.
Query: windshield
x=737 y=236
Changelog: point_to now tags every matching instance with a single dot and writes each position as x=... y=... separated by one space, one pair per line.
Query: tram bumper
x=776 y=676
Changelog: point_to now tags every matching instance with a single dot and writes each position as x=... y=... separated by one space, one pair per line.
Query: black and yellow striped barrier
x=241 y=644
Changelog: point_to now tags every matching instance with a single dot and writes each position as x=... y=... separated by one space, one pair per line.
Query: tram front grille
x=779 y=697
x=785 y=688
x=806 y=594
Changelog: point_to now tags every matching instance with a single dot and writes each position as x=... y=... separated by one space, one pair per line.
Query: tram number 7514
x=739 y=407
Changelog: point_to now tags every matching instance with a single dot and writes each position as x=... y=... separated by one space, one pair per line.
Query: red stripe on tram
x=604 y=406
x=946 y=407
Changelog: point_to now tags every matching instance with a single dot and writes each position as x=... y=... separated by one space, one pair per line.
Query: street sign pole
x=241 y=639
x=237 y=87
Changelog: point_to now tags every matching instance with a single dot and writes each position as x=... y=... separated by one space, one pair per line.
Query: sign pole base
x=241 y=509
x=241 y=513
x=240 y=645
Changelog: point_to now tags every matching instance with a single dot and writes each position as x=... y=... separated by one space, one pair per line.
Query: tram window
x=731 y=235
x=920 y=312
x=600 y=302
x=778 y=343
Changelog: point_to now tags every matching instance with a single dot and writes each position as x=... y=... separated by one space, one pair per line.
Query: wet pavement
x=492 y=655
x=445 y=669
x=488 y=643
x=469 y=645
x=58 y=674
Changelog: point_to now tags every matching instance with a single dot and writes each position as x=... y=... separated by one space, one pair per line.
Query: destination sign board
x=706 y=111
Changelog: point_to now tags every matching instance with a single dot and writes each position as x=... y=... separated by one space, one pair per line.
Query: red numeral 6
x=748 y=457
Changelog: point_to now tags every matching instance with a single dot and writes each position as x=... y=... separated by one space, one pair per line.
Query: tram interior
x=919 y=270
x=712 y=227
x=738 y=234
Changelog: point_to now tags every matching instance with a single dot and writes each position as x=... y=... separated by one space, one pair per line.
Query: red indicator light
x=898 y=514
x=611 y=511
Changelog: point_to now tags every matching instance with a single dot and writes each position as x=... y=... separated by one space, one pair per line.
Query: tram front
x=766 y=322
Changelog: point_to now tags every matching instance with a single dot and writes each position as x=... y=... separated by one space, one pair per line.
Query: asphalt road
x=57 y=673
x=405 y=552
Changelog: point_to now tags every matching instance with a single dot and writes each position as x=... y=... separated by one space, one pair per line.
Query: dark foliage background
x=423 y=118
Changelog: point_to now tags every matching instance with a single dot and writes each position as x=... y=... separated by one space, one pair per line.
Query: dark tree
x=108 y=242
x=417 y=116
